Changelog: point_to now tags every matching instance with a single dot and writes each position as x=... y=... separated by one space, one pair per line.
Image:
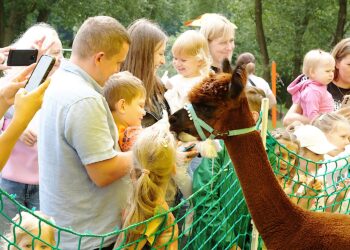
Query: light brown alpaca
x=220 y=101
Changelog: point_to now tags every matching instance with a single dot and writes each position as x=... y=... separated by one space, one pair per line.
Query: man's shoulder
x=70 y=87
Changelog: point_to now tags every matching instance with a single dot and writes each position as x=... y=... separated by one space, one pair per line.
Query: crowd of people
x=99 y=155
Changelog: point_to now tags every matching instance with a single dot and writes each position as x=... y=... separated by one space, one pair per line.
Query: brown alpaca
x=220 y=101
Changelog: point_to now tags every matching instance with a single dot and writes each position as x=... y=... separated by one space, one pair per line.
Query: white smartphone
x=40 y=72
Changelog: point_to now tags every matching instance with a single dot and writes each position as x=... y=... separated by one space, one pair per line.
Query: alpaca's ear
x=238 y=81
x=226 y=66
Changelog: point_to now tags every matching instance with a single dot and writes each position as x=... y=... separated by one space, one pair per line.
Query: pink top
x=22 y=166
x=312 y=96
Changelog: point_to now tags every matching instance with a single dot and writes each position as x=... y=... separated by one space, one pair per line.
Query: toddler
x=35 y=227
x=313 y=146
x=310 y=89
x=125 y=95
x=284 y=159
x=154 y=156
x=335 y=171
x=191 y=61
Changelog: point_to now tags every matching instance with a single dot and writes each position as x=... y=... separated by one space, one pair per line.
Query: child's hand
x=314 y=187
x=29 y=137
x=301 y=179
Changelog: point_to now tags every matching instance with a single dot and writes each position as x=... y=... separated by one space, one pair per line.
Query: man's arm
x=105 y=172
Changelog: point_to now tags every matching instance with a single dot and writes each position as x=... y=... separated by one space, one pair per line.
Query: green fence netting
x=206 y=220
x=215 y=216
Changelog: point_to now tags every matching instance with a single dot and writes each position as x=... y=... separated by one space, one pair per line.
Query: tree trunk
x=339 y=32
x=260 y=36
x=298 y=40
x=15 y=25
x=2 y=24
x=43 y=15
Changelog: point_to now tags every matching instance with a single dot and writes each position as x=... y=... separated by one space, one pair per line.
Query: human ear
x=120 y=106
x=99 y=57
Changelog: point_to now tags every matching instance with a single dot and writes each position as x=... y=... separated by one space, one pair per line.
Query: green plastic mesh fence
x=215 y=216
x=316 y=186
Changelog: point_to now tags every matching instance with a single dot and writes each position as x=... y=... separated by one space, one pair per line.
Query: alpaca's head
x=218 y=100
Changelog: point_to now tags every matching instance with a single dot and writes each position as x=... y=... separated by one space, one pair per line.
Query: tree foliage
x=282 y=31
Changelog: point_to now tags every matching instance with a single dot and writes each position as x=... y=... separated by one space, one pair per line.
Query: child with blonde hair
x=154 y=156
x=126 y=97
x=310 y=89
x=313 y=146
x=39 y=235
x=191 y=59
x=284 y=159
x=335 y=171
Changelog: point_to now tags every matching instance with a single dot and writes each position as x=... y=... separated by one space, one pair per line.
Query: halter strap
x=199 y=124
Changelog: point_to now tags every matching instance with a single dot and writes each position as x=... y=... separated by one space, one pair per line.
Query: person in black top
x=146 y=55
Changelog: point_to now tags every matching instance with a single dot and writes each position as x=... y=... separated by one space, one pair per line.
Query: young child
x=284 y=159
x=313 y=146
x=191 y=61
x=154 y=155
x=311 y=93
x=30 y=223
x=126 y=95
x=335 y=171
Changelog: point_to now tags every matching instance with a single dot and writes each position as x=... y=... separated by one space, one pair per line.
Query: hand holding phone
x=22 y=57
x=40 y=72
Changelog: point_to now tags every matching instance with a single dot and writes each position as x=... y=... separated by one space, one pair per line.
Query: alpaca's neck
x=269 y=206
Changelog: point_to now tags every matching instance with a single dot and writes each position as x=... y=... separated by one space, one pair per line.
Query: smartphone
x=187 y=148
x=346 y=101
x=40 y=72
x=22 y=57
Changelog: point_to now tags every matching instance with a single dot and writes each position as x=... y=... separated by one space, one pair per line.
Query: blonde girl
x=191 y=59
x=313 y=146
x=154 y=157
x=335 y=172
x=286 y=160
x=36 y=227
